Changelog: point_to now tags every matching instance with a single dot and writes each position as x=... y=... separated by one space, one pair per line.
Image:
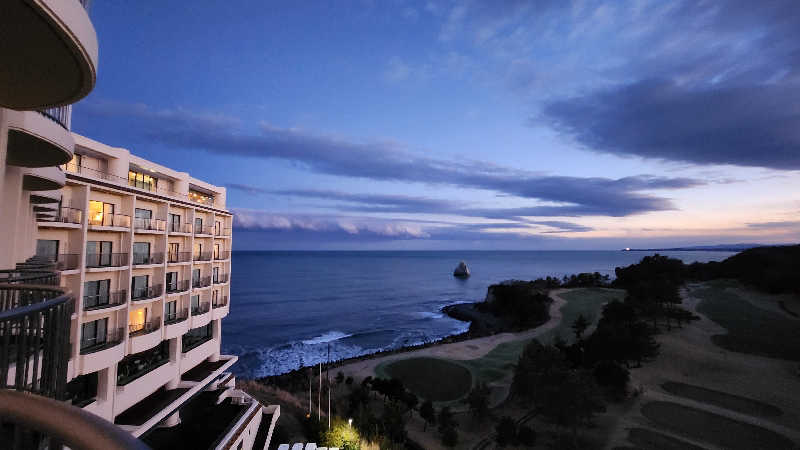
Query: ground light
x=342 y=434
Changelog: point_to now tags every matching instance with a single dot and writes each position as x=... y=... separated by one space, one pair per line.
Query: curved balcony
x=43 y=179
x=201 y=315
x=104 y=301
x=148 y=259
x=44 y=197
x=147 y=293
x=99 y=354
x=176 y=325
x=220 y=309
x=34 y=338
x=34 y=140
x=204 y=282
x=53 y=59
x=144 y=336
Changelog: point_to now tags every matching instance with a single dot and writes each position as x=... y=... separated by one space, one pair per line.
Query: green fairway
x=500 y=361
x=431 y=378
x=751 y=329
x=722 y=399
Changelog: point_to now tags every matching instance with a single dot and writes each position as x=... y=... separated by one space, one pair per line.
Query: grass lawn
x=653 y=440
x=431 y=378
x=712 y=428
x=751 y=329
x=499 y=362
x=722 y=399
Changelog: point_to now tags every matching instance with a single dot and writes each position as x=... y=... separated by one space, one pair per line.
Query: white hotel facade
x=115 y=272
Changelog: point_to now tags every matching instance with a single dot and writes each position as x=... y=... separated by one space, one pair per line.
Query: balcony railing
x=203 y=230
x=147 y=292
x=61 y=115
x=95 y=344
x=140 y=259
x=178 y=286
x=200 y=309
x=220 y=302
x=140 y=224
x=201 y=282
x=221 y=278
x=222 y=231
x=180 y=228
x=222 y=255
x=102 y=301
x=65 y=215
x=34 y=338
x=68 y=261
x=137 y=365
x=204 y=256
x=140 y=329
x=191 y=342
x=176 y=317
x=94 y=260
x=179 y=257
x=110 y=220
x=18 y=276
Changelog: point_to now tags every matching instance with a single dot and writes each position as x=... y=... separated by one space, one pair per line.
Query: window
x=214 y=297
x=215 y=274
x=82 y=389
x=173 y=251
x=201 y=197
x=101 y=213
x=47 y=248
x=195 y=277
x=139 y=286
x=216 y=251
x=198 y=249
x=137 y=317
x=141 y=253
x=198 y=224
x=142 y=181
x=98 y=253
x=94 y=333
x=95 y=293
x=195 y=302
x=175 y=222
x=217 y=228
x=74 y=165
x=171 y=311
x=172 y=281
x=143 y=213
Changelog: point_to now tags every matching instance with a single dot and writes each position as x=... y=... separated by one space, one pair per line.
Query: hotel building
x=115 y=270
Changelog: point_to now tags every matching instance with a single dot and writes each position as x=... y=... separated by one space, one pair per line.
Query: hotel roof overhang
x=49 y=53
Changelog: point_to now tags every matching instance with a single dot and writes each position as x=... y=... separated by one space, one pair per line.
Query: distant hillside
x=772 y=269
x=712 y=248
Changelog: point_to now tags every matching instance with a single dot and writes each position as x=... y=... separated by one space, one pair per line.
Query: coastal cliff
x=512 y=305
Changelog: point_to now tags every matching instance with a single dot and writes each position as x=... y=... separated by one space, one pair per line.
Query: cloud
x=755 y=125
x=777 y=225
x=390 y=161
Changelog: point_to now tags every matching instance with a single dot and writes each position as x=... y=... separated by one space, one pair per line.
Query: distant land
x=708 y=248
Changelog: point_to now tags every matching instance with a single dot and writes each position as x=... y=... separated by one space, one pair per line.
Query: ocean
x=288 y=307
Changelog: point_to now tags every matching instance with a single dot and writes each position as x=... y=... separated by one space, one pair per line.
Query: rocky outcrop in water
x=462 y=271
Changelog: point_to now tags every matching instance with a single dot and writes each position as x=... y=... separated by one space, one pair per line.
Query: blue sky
x=465 y=125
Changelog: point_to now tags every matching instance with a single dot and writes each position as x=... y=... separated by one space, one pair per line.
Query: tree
x=348 y=381
x=446 y=419
x=579 y=326
x=506 y=432
x=410 y=399
x=339 y=377
x=394 y=424
x=478 y=401
x=428 y=413
x=450 y=437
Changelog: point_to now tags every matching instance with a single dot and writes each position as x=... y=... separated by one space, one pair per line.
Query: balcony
x=220 y=309
x=34 y=332
x=221 y=278
x=201 y=282
x=68 y=261
x=135 y=366
x=144 y=336
x=111 y=339
x=54 y=57
x=179 y=257
x=177 y=287
x=64 y=215
x=176 y=317
x=203 y=256
x=149 y=225
x=147 y=293
x=145 y=259
x=45 y=197
x=104 y=301
x=43 y=179
x=222 y=255
x=100 y=260
x=140 y=329
x=200 y=309
x=203 y=231
x=181 y=228
x=110 y=220
x=222 y=232
x=221 y=302
x=27 y=276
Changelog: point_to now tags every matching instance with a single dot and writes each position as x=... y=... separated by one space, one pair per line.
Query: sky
x=400 y=125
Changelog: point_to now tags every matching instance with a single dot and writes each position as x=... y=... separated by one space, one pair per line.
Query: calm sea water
x=286 y=307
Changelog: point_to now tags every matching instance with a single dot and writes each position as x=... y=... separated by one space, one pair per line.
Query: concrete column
x=171 y=421
x=216 y=332
x=11 y=204
x=120 y=166
x=174 y=358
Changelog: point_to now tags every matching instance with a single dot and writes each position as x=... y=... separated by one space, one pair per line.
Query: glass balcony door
x=96 y=293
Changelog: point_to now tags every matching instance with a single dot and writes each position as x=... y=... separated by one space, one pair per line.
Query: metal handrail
x=148 y=258
x=64 y=423
x=144 y=328
x=203 y=256
x=106 y=260
x=65 y=215
x=203 y=230
x=221 y=302
x=178 y=257
x=177 y=317
x=111 y=220
x=61 y=115
x=112 y=338
x=222 y=255
x=180 y=227
x=17 y=276
x=178 y=286
x=34 y=337
x=112 y=299
x=200 y=309
x=146 y=293
x=149 y=224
